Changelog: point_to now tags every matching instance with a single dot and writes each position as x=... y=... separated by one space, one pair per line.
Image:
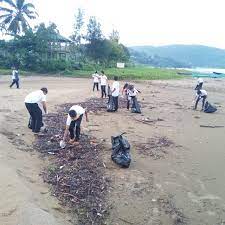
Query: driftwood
x=211 y=126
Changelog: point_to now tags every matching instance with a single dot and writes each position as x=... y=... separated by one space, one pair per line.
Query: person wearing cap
x=199 y=84
x=73 y=122
x=201 y=94
x=32 y=103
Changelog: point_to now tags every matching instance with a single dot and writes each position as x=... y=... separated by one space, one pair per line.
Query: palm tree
x=15 y=15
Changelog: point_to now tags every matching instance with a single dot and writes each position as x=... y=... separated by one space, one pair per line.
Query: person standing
x=115 y=92
x=15 y=78
x=103 y=82
x=32 y=102
x=201 y=94
x=95 y=77
x=73 y=122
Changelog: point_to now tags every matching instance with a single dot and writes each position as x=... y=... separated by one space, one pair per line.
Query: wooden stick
x=209 y=126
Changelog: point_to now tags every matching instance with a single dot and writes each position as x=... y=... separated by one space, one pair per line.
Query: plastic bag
x=209 y=108
x=121 y=151
x=135 y=106
x=110 y=105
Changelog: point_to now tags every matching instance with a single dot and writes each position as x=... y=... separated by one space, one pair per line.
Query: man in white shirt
x=73 y=122
x=115 y=92
x=32 y=102
x=15 y=77
x=103 y=81
x=201 y=94
x=95 y=77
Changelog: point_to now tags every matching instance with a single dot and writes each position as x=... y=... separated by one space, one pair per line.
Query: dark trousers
x=75 y=125
x=15 y=81
x=103 y=90
x=95 y=85
x=115 y=101
x=131 y=100
x=36 y=116
x=203 y=101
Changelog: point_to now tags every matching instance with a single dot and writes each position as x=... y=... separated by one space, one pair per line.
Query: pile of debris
x=76 y=173
x=95 y=104
x=154 y=147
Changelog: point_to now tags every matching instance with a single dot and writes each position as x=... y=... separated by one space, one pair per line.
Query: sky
x=144 y=22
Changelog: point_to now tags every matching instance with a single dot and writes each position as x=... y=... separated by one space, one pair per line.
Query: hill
x=179 y=56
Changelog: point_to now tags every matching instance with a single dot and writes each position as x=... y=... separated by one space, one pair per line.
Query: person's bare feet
x=71 y=141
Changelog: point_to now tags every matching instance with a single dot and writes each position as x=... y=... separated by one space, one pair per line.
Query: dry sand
x=181 y=184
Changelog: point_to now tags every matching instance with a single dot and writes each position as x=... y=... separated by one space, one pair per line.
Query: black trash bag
x=209 y=108
x=121 y=151
x=110 y=105
x=135 y=106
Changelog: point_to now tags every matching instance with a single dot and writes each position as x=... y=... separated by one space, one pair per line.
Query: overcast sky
x=145 y=22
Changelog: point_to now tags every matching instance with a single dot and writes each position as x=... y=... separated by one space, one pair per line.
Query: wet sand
x=184 y=185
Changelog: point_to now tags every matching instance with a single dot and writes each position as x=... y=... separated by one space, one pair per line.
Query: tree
x=114 y=36
x=78 y=25
x=94 y=31
x=15 y=15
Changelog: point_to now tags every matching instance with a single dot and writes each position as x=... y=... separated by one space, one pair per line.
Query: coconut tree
x=14 y=16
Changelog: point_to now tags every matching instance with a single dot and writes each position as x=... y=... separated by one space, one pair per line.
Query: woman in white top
x=32 y=102
x=74 y=119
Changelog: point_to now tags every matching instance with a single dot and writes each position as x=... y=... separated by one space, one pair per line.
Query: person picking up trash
x=201 y=94
x=32 y=103
x=131 y=93
x=73 y=123
x=199 y=84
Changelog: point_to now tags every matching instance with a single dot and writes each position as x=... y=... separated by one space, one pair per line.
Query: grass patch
x=131 y=73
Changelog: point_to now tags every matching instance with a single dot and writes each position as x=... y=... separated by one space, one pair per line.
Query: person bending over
x=131 y=92
x=32 y=103
x=73 y=123
x=201 y=94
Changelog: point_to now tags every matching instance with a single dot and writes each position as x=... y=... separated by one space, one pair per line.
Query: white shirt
x=35 y=97
x=103 y=79
x=200 y=80
x=203 y=93
x=96 y=77
x=132 y=93
x=78 y=109
x=13 y=74
x=116 y=86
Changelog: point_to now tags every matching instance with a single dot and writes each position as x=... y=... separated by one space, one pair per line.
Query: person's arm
x=86 y=115
x=44 y=106
x=66 y=133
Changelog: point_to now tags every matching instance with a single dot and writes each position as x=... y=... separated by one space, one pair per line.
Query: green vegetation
x=134 y=73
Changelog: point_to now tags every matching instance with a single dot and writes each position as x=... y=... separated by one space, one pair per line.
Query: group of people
x=201 y=94
x=113 y=91
x=35 y=103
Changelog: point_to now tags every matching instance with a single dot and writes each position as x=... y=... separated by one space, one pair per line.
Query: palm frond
x=7 y=20
x=3 y=16
x=14 y=26
x=6 y=9
x=28 y=5
x=11 y=3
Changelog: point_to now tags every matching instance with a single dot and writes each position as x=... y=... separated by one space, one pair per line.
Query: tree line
x=87 y=47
